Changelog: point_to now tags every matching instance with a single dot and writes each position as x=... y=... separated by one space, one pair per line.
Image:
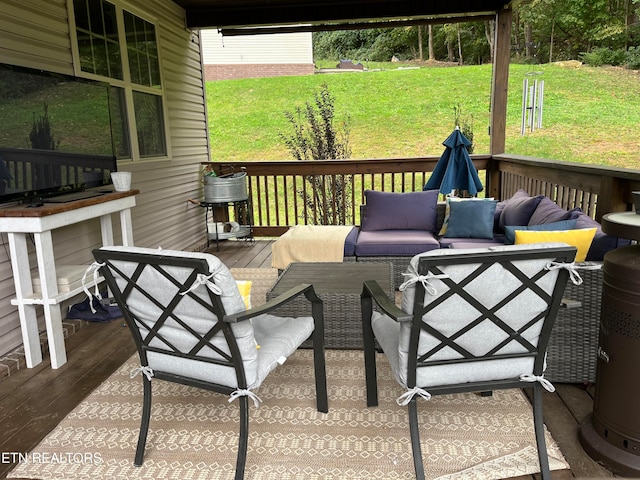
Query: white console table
x=17 y=222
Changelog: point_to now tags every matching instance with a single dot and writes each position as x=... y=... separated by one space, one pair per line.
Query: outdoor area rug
x=194 y=433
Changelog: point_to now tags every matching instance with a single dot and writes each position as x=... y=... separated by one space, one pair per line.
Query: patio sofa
x=468 y=223
x=396 y=226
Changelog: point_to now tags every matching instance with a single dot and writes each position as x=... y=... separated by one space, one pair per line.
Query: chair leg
x=538 y=423
x=319 y=363
x=320 y=372
x=415 y=439
x=144 y=422
x=371 y=380
x=244 y=438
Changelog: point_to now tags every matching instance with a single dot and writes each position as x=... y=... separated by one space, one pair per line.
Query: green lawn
x=591 y=115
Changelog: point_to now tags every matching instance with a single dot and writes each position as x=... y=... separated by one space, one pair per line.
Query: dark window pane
x=115 y=61
x=95 y=17
x=81 y=13
x=134 y=68
x=149 y=124
x=110 y=24
x=86 y=53
x=140 y=36
x=100 y=57
x=154 y=68
x=119 y=125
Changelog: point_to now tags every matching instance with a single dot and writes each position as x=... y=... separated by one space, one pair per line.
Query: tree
x=315 y=137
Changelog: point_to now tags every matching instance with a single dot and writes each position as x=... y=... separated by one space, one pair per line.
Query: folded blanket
x=310 y=243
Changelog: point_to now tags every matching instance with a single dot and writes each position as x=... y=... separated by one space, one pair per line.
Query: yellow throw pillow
x=579 y=238
x=244 y=286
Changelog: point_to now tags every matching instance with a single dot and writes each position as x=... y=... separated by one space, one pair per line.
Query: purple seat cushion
x=518 y=209
x=400 y=211
x=395 y=243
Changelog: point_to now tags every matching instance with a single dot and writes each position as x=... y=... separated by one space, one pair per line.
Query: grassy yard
x=591 y=115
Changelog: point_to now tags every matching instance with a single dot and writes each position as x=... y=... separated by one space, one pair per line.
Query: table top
x=328 y=277
x=54 y=208
x=622 y=224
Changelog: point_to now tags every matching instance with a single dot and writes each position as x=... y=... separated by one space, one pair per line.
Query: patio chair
x=474 y=320
x=190 y=327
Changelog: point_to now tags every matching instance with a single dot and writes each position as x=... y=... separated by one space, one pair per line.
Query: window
x=121 y=48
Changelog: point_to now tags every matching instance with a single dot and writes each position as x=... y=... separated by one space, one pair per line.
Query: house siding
x=256 y=56
x=35 y=33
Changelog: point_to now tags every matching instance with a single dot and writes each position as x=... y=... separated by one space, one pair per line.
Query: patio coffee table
x=339 y=286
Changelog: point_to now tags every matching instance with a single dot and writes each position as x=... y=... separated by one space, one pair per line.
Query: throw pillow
x=519 y=208
x=510 y=230
x=548 y=211
x=400 y=211
x=580 y=238
x=244 y=287
x=471 y=219
x=447 y=210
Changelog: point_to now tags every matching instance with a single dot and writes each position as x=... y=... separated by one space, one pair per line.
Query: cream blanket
x=309 y=243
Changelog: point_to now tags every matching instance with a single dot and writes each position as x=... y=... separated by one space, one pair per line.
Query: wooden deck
x=33 y=401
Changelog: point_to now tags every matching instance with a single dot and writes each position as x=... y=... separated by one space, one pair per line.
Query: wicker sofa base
x=573 y=347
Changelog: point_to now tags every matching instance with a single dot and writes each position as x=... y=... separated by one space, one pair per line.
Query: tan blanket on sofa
x=309 y=243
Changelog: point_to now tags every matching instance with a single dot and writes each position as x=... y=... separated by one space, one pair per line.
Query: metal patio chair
x=472 y=320
x=190 y=327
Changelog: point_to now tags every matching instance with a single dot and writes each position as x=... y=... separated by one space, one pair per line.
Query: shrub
x=315 y=137
x=633 y=58
x=603 y=56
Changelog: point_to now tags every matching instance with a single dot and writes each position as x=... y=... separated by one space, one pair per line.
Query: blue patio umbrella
x=455 y=170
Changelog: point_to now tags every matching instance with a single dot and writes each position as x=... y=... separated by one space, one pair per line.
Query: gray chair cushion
x=454 y=313
x=277 y=338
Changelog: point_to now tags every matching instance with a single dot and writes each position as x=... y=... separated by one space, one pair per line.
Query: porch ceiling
x=254 y=13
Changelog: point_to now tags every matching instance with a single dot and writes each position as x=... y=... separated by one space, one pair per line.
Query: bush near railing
x=276 y=204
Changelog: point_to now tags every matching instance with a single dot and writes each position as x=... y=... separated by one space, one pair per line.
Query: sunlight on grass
x=590 y=114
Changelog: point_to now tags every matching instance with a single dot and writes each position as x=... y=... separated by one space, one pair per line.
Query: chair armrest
x=274 y=303
x=372 y=289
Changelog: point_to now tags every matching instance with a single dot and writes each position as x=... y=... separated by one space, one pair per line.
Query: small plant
x=41 y=136
x=466 y=125
x=315 y=137
x=208 y=171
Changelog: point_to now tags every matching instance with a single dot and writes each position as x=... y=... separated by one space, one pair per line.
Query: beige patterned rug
x=193 y=433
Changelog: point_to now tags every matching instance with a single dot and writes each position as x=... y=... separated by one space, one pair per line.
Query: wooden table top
x=334 y=277
x=53 y=208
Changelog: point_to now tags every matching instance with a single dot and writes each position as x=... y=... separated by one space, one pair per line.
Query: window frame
x=126 y=84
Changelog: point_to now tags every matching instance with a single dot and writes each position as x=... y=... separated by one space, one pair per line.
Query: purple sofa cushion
x=548 y=211
x=350 y=243
x=519 y=208
x=395 y=243
x=400 y=211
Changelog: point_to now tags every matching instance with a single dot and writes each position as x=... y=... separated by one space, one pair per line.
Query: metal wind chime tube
x=532 y=105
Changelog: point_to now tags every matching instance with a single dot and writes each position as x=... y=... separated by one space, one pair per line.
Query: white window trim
x=127 y=85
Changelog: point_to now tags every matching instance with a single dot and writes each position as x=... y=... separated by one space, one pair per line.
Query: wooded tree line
x=543 y=31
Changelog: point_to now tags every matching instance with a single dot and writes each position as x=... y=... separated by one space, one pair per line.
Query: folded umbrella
x=455 y=169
